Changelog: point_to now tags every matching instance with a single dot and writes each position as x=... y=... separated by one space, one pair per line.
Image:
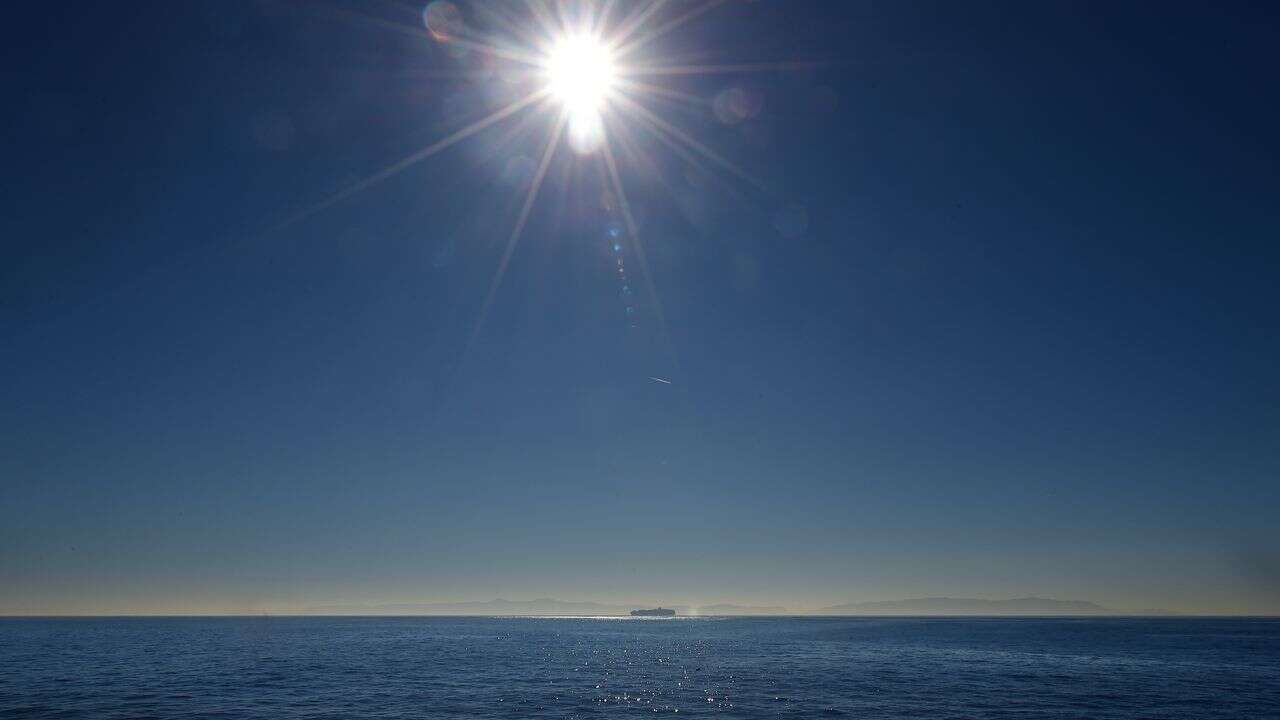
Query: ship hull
x=656 y=612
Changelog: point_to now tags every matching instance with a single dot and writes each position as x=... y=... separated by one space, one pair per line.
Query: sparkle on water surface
x=517 y=668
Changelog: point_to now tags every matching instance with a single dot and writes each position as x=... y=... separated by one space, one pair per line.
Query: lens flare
x=593 y=62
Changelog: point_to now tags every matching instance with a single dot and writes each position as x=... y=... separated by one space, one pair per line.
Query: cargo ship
x=655 y=612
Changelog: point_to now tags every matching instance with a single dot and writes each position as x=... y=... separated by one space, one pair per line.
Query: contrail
x=664 y=381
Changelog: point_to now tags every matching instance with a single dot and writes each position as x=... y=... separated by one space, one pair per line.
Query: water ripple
x=586 y=668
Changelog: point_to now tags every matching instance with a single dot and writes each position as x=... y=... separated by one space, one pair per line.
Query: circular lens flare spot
x=443 y=20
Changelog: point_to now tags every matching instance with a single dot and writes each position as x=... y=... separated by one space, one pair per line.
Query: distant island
x=971 y=606
x=654 y=612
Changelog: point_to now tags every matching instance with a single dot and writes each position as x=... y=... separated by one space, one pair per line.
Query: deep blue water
x=705 y=667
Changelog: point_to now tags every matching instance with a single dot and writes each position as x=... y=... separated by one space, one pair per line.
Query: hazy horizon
x=560 y=607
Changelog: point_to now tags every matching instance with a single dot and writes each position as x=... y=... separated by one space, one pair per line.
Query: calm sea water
x=584 y=668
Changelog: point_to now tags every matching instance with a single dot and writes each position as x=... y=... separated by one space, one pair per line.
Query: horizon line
x=1027 y=616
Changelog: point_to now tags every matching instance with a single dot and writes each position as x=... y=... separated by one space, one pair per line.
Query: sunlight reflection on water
x=622 y=666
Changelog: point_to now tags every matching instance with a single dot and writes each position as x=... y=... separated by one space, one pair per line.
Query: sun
x=574 y=69
x=580 y=74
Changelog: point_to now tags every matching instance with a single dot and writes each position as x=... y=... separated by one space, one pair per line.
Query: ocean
x=285 y=668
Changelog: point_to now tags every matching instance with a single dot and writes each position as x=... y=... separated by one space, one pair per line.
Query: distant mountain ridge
x=972 y=606
x=551 y=607
x=539 y=607
x=497 y=606
x=731 y=609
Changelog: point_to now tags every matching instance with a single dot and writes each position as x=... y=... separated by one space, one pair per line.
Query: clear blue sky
x=1001 y=321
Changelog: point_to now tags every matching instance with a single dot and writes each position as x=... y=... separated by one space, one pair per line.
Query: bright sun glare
x=586 y=59
x=580 y=74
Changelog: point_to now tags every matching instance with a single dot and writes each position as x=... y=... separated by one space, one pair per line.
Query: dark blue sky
x=1000 y=320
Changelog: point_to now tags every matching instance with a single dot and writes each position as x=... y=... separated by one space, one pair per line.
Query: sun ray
x=627 y=149
x=509 y=134
x=472 y=75
x=666 y=27
x=602 y=20
x=726 y=69
x=551 y=26
x=623 y=134
x=657 y=122
x=472 y=43
x=416 y=157
x=573 y=49
x=516 y=30
x=665 y=92
x=523 y=58
x=553 y=141
x=635 y=21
